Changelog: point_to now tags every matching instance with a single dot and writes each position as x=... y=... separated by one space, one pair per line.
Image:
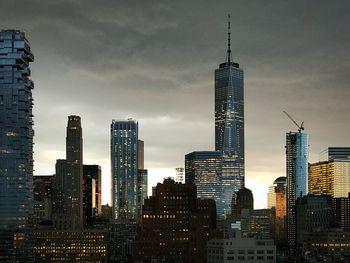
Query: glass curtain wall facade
x=297 y=148
x=16 y=139
x=124 y=137
x=203 y=168
x=229 y=127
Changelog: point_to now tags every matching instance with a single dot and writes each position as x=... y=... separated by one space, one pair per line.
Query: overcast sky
x=154 y=61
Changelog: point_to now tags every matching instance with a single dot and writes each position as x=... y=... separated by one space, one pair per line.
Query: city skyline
x=123 y=65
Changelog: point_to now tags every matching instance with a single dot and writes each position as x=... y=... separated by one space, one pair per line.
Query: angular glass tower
x=297 y=149
x=16 y=138
x=229 y=125
x=124 y=136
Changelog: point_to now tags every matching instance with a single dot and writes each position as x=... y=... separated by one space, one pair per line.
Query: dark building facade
x=341 y=212
x=335 y=153
x=313 y=213
x=142 y=177
x=16 y=138
x=229 y=125
x=42 y=191
x=92 y=195
x=203 y=168
x=68 y=181
x=242 y=199
x=124 y=138
x=175 y=225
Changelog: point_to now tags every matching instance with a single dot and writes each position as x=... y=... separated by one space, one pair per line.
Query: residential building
x=297 y=179
x=124 y=139
x=16 y=140
x=175 y=224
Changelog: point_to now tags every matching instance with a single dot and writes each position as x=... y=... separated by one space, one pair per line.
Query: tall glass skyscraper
x=203 y=168
x=124 y=136
x=16 y=140
x=297 y=149
x=229 y=125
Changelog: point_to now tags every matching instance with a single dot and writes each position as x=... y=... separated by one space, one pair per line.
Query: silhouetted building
x=16 y=143
x=106 y=212
x=330 y=178
x=175 y=224
x=42 y=191
x=68 y=181
x=297 y=178
x=239 y=248
x=313 y=213
x=142 y=178
x=242 y=199
x=180 y=175
x=332 y=245
x=124 y=138
x=341 y=212
x=203 y=168
x=92 y=195
x=229 y=126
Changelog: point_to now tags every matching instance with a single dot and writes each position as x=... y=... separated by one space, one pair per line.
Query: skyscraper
x=242 y=199
x=297 y=148
x=229 y=125
x=203 y=168
x=124 y=136
x=142 y=177
x=335 y=153
x=16 y=138
x=68 y=182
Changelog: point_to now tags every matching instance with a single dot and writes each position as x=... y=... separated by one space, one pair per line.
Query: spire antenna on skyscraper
x=228 y=55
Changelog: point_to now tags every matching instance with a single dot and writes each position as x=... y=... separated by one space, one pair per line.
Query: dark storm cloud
x=155 y=60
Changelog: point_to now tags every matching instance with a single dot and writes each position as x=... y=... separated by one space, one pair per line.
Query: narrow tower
x=229 y=124
x=16 y=141
x=68 y=181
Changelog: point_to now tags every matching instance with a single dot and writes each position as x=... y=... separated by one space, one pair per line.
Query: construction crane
x=300 y=127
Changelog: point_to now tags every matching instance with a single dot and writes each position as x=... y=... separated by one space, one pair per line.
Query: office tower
x=91 y=193
x=229 y=125
x=68 y=182
x=180 y=175
x=341 y=212
x=257 y=222
x=313 y=213
x=203 y=168
x=124 y=137
x=239 y=248
x=242 y=199
x=297 y=178
x=42 y=191
x=335 y=153
x=175 y=224
x=16 y=143
x=330 y=177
